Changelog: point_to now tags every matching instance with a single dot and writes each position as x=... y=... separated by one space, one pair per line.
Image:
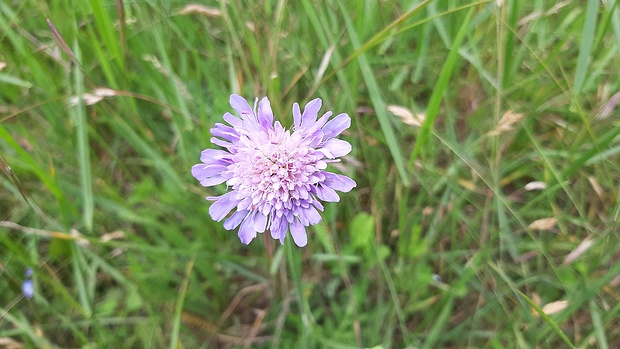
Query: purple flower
x=275 y=177
x=28 y=288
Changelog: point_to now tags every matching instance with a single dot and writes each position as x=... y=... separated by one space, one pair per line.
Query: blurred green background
x=485 y=148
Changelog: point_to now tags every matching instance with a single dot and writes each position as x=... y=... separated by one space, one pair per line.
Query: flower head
x=275 y=177
x=28 y=289
x=28 y=286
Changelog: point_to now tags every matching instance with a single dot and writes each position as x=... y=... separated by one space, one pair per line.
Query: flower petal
x=221 y=143
x=278 y=228
x=339 y=182
x=203 y=171
x=226 y=132
x=235 y=219
x=311 y=111
x=211 y=181
x=215 y=156
x=244 y=204
x=220 y=208
x=259 y=221
x=265 y=114
x=298 y=232
x=246 y=231
x=336 y=125
x=242 y=107
x=311 y=215
x=318 y=205
x=233 y=120
x=338 y=147
x=296 y=116
x=327 y=194
x=317 y=125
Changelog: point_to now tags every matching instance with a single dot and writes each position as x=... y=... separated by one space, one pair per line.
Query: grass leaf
x=587 y=42
x=442 y=83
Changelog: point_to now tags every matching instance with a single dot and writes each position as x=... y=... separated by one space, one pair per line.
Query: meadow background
x=485 y=148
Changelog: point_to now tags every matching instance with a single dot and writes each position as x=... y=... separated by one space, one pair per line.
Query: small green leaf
x=362 y=230
x=416 y=246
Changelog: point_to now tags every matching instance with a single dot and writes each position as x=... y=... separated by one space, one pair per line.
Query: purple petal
x=339 y=182
x=296 y=116
x=232 y=120
x=278 y=228
x=318 y=124
x=278 y=128
x=338 y=147
x=298 y=231
x=211 y=181
x=326 y=153
x=259 y=221
x=226 y=132
x=215 y=156
x=221 y=143
x=222 y=206
x=265 y=114
x=312 y=215
x=202 y=171
x=311 y=111
x=244 y=204
x=290 y=218
x=241 y=106
x=246 y=231
x=235 y=219
x=209 y=175
x=318 y=205
x=327 y=194
x=336 y=125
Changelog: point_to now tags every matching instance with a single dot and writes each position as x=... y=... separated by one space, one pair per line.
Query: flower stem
x=294 y=261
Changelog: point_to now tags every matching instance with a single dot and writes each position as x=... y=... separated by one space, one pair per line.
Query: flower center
x=276 y=176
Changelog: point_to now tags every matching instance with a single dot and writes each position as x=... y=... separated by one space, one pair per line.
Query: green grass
x=434 y=248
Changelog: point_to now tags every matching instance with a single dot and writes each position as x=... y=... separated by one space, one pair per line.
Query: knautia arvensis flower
x=275 y=178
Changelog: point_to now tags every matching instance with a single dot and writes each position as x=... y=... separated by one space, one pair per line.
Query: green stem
x=547 y=319
x=293 y=257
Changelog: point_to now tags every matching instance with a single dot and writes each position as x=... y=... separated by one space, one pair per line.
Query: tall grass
x=458 y=109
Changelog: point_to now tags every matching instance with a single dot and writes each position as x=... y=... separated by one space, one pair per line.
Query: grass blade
x=105 y=28
x=79 y=265
x=599 y=328
x=615 y=21
x=120 y=12
x=377 y=102
x=587 y=42
x=384 y=34
x=434 y=335
x=178 y=311
x=547 y=319
x=442 y=84
x=79 y=114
